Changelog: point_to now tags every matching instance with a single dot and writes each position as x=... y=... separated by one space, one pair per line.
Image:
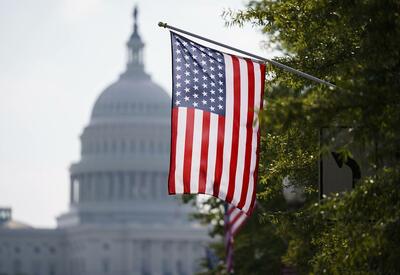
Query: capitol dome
x=123 y=171
x=132 y=96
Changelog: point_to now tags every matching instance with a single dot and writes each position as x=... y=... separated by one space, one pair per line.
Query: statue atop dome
x=135 y=13
x=135 y=65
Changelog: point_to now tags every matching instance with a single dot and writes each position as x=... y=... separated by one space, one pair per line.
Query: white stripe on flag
x=196 y=151
x=228 y=127
x=180 y=150
x=212 y=153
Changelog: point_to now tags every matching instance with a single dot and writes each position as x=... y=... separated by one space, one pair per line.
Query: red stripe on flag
x=204 y=152
x=187 y=163
x=219 y=158
x=172 y=163
x=235 y=128
x=249 y=133
x=253 y=199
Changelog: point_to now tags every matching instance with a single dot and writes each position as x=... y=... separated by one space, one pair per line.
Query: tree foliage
x=355 y=45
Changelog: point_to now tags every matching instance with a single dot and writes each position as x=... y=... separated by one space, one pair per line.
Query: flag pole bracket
x=162 y=24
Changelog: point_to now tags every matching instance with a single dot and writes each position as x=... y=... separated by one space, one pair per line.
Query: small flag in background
x=234 y=219
x=215 y=133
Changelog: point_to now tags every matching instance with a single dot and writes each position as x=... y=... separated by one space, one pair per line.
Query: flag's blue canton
x=198 y=76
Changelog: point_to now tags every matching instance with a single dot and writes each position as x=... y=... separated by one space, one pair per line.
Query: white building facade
x=121 y=220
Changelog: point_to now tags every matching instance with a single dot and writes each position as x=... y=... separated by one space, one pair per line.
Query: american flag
x=215 y=132
x=234 y=219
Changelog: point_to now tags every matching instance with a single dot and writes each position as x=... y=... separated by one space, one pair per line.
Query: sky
x=56 y=57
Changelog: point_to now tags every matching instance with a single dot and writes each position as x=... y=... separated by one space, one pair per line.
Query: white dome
x=132 y=96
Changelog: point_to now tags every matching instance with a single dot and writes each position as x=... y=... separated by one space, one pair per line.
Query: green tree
x=355 y=45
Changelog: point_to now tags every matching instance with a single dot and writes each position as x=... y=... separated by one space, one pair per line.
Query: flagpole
x=273 y=62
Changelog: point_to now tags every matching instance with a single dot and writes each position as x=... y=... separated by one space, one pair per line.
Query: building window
x=123 y=146
x=146 y=267
x=110 y=184
x=146 y=253
x=105 y=265
x=81 y=266
x=17 y=266
x=180 y=268
x=142 y=146
x=166 y=267
x=151 y=147
x=17 y=250
x=133 y=146
x=106 y=246
x=89 y=187
x=146 y=260
x=143 y=186
x=114 y=146
x=154 y=186
x=36 y=250
x=97 y=148
x=91 y=148
x=132 y=191
x=121 y=185
x=52 y=268
x=125 y=107
x=37 y=267
x=105 y=146
x=52 y=250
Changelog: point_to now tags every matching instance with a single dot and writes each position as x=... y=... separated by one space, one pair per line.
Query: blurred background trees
x=355 y=45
